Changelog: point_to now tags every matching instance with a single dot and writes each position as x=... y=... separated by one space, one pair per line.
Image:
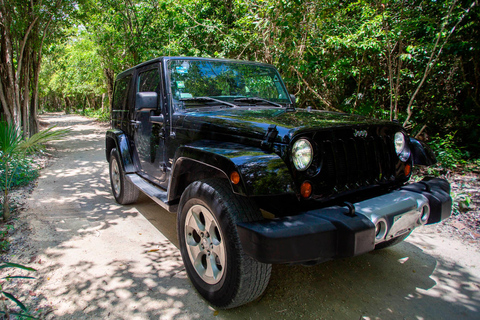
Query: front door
x=148 y=136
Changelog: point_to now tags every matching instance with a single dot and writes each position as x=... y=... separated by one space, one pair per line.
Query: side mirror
x=146 y=100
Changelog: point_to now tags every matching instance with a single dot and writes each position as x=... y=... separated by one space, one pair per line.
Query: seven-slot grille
x=350 y=162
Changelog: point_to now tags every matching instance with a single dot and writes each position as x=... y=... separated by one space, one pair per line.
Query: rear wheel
x=123 y=190
x=211 y=250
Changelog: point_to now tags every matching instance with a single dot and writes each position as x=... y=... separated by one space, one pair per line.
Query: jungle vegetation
x=417 y=61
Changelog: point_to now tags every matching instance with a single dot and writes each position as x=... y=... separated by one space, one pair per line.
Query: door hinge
x=135 y=123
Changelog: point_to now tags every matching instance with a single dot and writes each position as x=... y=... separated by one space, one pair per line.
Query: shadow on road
x=402 y=282
x=103 y=260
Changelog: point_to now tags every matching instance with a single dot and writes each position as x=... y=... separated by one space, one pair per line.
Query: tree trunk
x=25 y=95
x=23 y=29
x=6 y=205
x=35 y=96
x=110 y=76
x=7 y=73
x=103 y=103
x=67 y=105
x=3 y=101
x=36 y=66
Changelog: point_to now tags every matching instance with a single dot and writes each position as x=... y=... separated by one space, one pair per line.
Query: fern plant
x=13 y=148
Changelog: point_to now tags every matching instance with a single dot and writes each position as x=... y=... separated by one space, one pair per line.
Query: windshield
x=225 y=80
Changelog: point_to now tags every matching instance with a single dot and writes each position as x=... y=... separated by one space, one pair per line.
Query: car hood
x=255 y=122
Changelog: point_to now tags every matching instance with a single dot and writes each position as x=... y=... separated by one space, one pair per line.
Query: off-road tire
x=123 y=190
x=392 y=242
x=243 y=279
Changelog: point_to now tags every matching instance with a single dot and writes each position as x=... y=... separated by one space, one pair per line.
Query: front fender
x=421 y=153
x=261 y=173
x=118 y=139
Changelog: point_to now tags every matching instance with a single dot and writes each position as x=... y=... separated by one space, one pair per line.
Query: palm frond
x=15 y=265
x=38 y=140
x=10 y=138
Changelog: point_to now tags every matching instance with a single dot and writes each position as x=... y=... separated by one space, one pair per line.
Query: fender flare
x=421 y=153
x=261 y=173
x=118 y=139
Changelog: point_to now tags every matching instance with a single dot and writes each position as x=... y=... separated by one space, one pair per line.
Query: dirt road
x=99 y=260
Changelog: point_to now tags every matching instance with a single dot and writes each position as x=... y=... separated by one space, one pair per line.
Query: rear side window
x=120 y=94
x=149 y=81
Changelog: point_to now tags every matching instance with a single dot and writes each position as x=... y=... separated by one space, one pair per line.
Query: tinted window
x=148 y=81
x=120 y=94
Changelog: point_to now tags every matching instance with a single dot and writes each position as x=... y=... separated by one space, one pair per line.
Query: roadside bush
x=462 y=202
x=25 y=171
x=99 y=114
x=14 y=150
x=449 y=155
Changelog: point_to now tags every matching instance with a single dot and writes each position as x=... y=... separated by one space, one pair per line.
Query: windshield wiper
x=208 y=99
x=256 y=100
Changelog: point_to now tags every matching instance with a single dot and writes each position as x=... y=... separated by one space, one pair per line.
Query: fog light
x=306 y=189
x=425 y=215
x=380 y=229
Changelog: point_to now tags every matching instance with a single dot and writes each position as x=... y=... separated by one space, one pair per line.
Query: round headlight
x=302 y=154
x=401 y=147
x=399 y=142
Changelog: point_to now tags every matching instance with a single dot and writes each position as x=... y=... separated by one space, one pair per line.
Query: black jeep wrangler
x=255 y=181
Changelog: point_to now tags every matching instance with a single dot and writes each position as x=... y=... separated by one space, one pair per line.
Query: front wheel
x=211 y=250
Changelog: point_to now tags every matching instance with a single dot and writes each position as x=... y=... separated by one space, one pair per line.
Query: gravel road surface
x=100 y=260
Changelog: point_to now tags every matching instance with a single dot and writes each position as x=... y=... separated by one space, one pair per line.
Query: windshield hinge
x=290 y=108
x=270 y=136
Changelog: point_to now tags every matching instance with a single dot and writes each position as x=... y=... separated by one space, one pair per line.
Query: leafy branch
x=436 y=54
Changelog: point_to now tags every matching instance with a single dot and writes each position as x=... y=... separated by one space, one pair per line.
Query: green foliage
x=461 y=202
x=14 y=150
x=4 y=241
x=365 y=57
x=100 y=115
x=24 y=313
x=449 y=154
x=72 y=73
x=25 y=171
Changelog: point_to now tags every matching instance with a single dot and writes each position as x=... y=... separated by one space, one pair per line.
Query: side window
x=120 y=93
x=149 y=81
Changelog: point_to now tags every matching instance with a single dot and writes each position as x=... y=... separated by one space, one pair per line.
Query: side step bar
x=157 y=194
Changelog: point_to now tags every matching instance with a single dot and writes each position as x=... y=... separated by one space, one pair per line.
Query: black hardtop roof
x=160 y=59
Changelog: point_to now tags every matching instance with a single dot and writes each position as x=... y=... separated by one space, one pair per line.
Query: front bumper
x=337 y=232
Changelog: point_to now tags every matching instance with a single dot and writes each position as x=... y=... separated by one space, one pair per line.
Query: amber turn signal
x=235 y=177
x=306 y=189
x=407 y=170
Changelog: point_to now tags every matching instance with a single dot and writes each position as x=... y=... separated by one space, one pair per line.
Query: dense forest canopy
x=413 y=61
